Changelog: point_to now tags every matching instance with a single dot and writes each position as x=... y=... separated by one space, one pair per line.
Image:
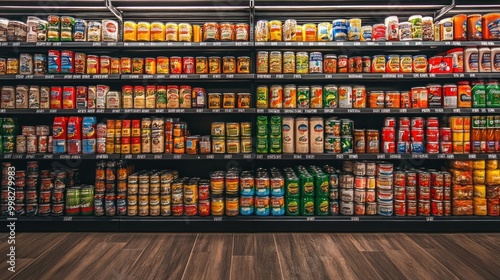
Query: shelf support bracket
x=439 y=14
x=117 y=14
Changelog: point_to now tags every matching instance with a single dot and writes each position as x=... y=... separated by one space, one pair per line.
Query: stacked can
x=385 y=190
x=424 y=195
x=432 y=132
x=217 y=187
x=262 y=135
x=346 y=132
x=247 y=194
x=401 y=194
x=485 y=180
x=33 y=140
x=275 y=142
x=8 y=130
x=346 y=183
x=321 y=185
x=80 y=200
x=485 y=134
x=462 y=188
x=262 y=192
x=166 y=179
x=89 y=127
x=190 y=191
x=231 y=190
x=365 y=182
x=492 y=187
x=292 y=192
x=461 y=135
x=333 y=189
x=333 y=143
x=307 y=191
x=277 y=185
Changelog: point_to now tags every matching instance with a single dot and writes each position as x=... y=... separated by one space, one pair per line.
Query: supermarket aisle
x=254 y=256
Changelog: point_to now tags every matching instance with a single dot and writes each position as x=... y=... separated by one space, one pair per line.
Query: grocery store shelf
x=189 y=77
x=376 y=76
x=251 y=156
x=126 y=111
x=187 y=44
x=382 y=111
x=257 y=224
x=384 y=44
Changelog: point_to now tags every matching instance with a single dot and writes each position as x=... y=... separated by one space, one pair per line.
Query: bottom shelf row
x=464 y=188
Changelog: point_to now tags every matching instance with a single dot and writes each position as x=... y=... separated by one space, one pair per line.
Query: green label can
x=346 y=127
x=9 y=126
x=303 y=95
x=275 y=126
x=275 y=145
x=479 y=96
x=262 y=97
x=492 y=95
x=262 y=147
x=330 y=96
x=497 y=122
x=307 y=185
x=321 y=185
x=87 y=200
x=73 y=200
x=322 y=206
x=292 y=206
x=307 y=206
x=476 y=122
x=262 y=130
x=9 y=144
x=346 y=143
x=292 y=187
x=490 y=122
x=483 y=122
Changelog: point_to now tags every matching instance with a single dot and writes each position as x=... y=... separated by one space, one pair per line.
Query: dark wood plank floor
x=252 y=256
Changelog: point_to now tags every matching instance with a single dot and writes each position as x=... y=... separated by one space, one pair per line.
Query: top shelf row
x=429 y=44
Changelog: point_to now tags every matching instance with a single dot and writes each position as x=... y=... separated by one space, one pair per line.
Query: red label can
x=445 y=134
x=188 y=65
x=177 y=210
x=405 y=99
x=42 y=144
x=411 y=208
x=434 y=95
x=80 y=63
x=432 y=147
x=432 y=122
x=399 y=179
x=404 y=122
x=424 y=193
x=390 y=122
x=204 y=208
x=432 y=134
x=388 y=134
x=437 y=193
x=447 y=208
x=437 y=208
x=417 y=135
x=105 y=64
x=56 y=94
x=400 y=193
x=203 y=191
x=411 y=179
x=446 y=193
x=69 y=97
x=400 y=208
x=176 y=65
x=190 y=210
x=404 y=134
x=450 y=96
x=424 y=179
x=389 y=147
x=437 y=179
x=417 y=122
x=424 y=208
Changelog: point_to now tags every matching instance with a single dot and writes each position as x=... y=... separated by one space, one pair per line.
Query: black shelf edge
x=256 y=224
x=380 y=44
x=377 y=76
x=189 y=77
x=126 y=111
x=382 y=111
x=250 y=156
x=52 y=77
x=62 y=44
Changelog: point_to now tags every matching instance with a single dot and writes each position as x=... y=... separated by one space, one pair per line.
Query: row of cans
x=58 y=28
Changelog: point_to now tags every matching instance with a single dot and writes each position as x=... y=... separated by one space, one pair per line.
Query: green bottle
x=478 y=94
x=493 y=95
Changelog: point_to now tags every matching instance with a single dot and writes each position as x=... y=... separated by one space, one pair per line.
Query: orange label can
x=162 y=65
x=359 y=97
x=460 y=27
x=392 y=99
x=126 y=65
x=377 y=99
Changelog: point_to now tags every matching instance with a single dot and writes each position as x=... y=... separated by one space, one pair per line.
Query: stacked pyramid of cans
x=411 y=140
x=231 y=138
x=422 y=192
x=476 y=187
x=111 y=188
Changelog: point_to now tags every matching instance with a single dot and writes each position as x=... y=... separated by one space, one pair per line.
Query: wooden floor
x=135 y=256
